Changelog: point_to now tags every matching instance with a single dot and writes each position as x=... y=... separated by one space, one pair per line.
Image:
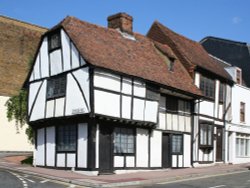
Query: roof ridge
x=22 y=23
x=222 y=39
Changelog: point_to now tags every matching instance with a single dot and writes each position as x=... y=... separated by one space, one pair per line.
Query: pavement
x=142 y=178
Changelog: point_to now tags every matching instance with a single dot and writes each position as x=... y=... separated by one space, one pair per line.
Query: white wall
x=142 y=147
x=156 y=149
x=82 y=145
x=40 y=151
x=50 y=146
x=12 y=138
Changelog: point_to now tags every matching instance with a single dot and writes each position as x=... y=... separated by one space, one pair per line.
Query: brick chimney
x=121 y=21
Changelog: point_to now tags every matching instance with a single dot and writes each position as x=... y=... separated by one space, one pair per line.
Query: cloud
x=236 y=20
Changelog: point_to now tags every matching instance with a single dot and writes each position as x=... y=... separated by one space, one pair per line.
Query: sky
x=195 y=19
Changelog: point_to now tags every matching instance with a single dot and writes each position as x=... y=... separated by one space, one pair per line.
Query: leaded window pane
x=123 y=140
x=66 y=138
x=177 y=143
x=56 y=87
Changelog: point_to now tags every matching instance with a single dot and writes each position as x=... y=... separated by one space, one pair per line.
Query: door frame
x=168 y=153
x=220 y=150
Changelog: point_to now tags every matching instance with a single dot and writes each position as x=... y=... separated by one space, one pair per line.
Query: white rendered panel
x=174 y=161
x=126 y=107
x=56 y=62
x=127 y=86
x=60 y=160
x=75 y=56
x=36 y=67
x=32 y=76
x=220 y=111
x=180 y=161
x=175 y=125
x=40 y=147
x=188 y=124
x=162 y=121
x=50 y=108
x=50 y=146
x=66 y=50
x=139 y=89
x=118 y=161
x=207 y=108
x=71 y=160
x=107 y=103
x=75 y=103
x=138 y=109
x=82 y=145
x=82 y=61
x=107 y=81
x=33 y=89
x=142 y=147
x=187 y=150
x=156 y=149
x=151 y=111
x=44 y=58
x=97 y=146
x=39 y=106
x=169 y=121
x=130 y=161
x=59 y=107
x=181 y=123
x=82 y=76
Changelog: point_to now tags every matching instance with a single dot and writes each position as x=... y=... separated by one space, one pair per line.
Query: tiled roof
x=234 y=52
x=107 y=48
x=19 y=41
x=191 y=53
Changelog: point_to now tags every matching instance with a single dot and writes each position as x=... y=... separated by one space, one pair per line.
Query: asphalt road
x=236 y=180
x=9 y=179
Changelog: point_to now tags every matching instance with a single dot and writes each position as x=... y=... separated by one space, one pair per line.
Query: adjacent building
x=19 y=41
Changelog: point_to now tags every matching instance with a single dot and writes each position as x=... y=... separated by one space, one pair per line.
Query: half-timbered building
x=108 y=99
x=215 y=83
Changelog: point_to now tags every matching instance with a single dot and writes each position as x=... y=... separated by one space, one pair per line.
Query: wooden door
x=105 y=149
x=166 y=151
x=219 y=137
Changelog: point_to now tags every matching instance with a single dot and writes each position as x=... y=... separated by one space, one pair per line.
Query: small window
x=207 y=86
x=54 y=41
x=171 y=104
x=56 y=87
x=171 y=64
x=238 y=76
x=221 y=92
x=242 y=112
x=124 y=141
x=66 y=138
x=152 y=92
x=206 y=135
x=177 y=144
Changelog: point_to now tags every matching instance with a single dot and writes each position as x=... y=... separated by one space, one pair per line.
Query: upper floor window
x=242 y=112
x=56 y=87
x=238 y=76
x=54 y=41
x=207 y=86
x=66 y=138
x=221 y=92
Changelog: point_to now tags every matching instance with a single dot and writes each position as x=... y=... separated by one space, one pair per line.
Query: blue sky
x=194 y=19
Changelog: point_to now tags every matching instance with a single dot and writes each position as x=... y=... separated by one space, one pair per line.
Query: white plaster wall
x=126 y=107
x=151 y=111
x=36 y=67
x=97 y=146
x=107 y=103
x=187 y=150
x=139 y=89
x=11 y=138
x=56 y=62
x=74 y=56
x=138 y=110
x=82 y=145
x=59 y=107
x=127 y=86
x=107 y=81
x=130 y=161
x=66 y=50
x=207 y=108
x=61 y=160
x=33 y=89
x=50 y=146
x=156 y=149
x=118 y=161
x=40 y=160
x=162 y=121
x=142 y=147
x=39 y=106
x=44 y=58
x=174 y=161
x=71 y=159
x=50 y=108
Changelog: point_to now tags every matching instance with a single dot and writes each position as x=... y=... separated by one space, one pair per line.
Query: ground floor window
x=242 y=145
x=206 y=135
x=177 y=144
x=124 y=140
x=66 y=138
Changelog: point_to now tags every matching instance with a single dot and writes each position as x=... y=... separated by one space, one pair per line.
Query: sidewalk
x=135 y=179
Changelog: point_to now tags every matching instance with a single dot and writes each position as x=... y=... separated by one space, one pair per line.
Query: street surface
x=235 y=180
x=9 y=179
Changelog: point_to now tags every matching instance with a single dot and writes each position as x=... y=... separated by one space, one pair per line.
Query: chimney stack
x=121 y=21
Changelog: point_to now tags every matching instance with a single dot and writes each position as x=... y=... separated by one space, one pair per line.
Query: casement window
x=242 y=112
x=66 y=138
x=56 y=87
x=177 y=144
x=242 y=145
x=171 y=104
x=54 y=41
x=238 y=76
x=152 y=93
x=206 y=135
x=221 y=92
x=184 y=107
x=207 y=86
x=124 y=141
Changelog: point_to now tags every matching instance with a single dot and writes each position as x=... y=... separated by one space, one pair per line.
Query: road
x=9 y=179
x=234 y=180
